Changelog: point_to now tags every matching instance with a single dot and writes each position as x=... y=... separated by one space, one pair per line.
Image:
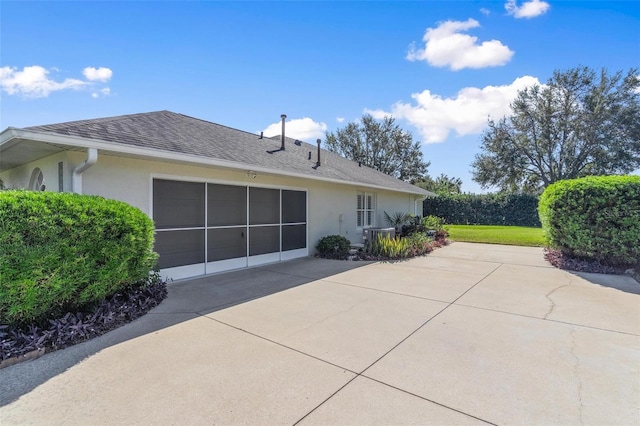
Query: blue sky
x=440 y=67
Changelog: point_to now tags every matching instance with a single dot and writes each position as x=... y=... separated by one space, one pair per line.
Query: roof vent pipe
x=318 y=162
x=261 y=133
x=76 y=176
x=283 y=116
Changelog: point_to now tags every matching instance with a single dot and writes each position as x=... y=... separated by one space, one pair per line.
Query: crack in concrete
x=576 y=373
x=548 y=296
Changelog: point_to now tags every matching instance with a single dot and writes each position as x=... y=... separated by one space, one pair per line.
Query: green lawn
x=513 y=235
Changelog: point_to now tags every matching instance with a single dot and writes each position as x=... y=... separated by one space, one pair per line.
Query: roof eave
x=13 y=135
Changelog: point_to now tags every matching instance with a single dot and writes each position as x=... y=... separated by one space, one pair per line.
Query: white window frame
x=36 y=182
x=366 y=210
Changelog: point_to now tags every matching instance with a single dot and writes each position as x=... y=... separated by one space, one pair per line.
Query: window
x=366 y=209
x=36 y=183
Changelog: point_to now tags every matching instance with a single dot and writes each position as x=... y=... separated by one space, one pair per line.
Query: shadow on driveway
x=187 y=300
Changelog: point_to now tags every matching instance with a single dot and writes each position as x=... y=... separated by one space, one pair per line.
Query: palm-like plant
x=396 y=220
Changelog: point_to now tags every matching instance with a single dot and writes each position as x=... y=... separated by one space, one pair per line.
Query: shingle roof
x=173 y=132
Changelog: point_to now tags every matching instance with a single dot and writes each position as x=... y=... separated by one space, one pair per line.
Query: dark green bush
x=333 y=246
x=484 y=209
x=60 y=252
x=595 y=217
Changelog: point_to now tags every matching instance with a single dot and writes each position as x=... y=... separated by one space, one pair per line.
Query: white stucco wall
x=129 y=180
x=18 y=178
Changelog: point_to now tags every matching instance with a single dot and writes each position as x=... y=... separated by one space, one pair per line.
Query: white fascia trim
x=153 y=153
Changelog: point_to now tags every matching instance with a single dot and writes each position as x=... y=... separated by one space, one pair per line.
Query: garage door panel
x=263 y=240
x=179 y=248
x=178 y=204
x=208 y=227
x=264 y=206
x=294 y=206
x=294 y=237
x=226 y=205
x=227 y=243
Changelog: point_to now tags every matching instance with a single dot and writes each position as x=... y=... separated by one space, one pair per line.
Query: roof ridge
x=98 y=120
x=217 y=124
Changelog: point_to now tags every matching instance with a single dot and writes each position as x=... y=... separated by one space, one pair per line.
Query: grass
x=512 y=235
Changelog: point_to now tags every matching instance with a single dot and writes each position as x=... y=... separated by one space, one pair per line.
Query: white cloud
x=466 y=113
x=446 y=45
x=485 y=11
x=529 y=9
x=34 y=82
x=299 y=128
x=97 y=74
x=340 y=119
x=104 y=92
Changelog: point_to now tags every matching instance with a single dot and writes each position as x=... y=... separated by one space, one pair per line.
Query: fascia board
x=157 y=154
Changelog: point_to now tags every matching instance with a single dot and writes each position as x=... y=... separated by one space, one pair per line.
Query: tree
x=580 y=123
x=381 y=145
x=443 y=184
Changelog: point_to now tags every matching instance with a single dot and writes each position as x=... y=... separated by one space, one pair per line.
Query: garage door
x=202 y=228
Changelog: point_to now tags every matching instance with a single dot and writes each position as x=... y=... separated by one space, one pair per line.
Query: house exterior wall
x=18 y=177
x=331 y=206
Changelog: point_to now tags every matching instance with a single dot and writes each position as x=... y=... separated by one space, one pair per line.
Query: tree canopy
x=443 y=184
x=381 y=145
x=580 y=123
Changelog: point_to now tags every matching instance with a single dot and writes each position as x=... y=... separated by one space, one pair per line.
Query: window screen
x=264 y=206
x=294 y=206
x=294 y=237
x=178 y=204
x=226 y=243
x=264 y=239
x=227 y=205
x=179 y=248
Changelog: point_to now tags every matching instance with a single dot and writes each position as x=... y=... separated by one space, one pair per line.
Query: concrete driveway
x=469 y=334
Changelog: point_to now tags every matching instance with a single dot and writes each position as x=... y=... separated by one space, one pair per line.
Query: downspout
x=421 y=211
x=76 y=176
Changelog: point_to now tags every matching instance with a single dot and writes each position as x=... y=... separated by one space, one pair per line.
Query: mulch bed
x=563 y=261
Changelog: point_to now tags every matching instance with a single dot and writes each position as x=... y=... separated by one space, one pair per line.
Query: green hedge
x=595 y=217
x=61 y=251
x=484 y=209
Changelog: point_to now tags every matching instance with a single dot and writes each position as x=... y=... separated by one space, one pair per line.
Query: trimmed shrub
x=596 y=217
x=333 y=247
x=61 y=252
x=484 y=209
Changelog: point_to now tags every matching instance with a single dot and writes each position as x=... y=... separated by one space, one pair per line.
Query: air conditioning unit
x=370 y=234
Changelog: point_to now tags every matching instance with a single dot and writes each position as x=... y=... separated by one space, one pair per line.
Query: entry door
x=264 y=225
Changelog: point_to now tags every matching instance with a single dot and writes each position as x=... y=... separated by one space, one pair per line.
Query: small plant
x=333 y=247
x=414 y=225
x=396 y=220
x=433 y=223
x=391 y=248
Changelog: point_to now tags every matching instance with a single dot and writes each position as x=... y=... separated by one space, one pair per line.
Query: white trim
x=226 y=265
x=252 y=184
x=294 y=254
x=152 y=153
x=186 y=271
x=261 y=259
